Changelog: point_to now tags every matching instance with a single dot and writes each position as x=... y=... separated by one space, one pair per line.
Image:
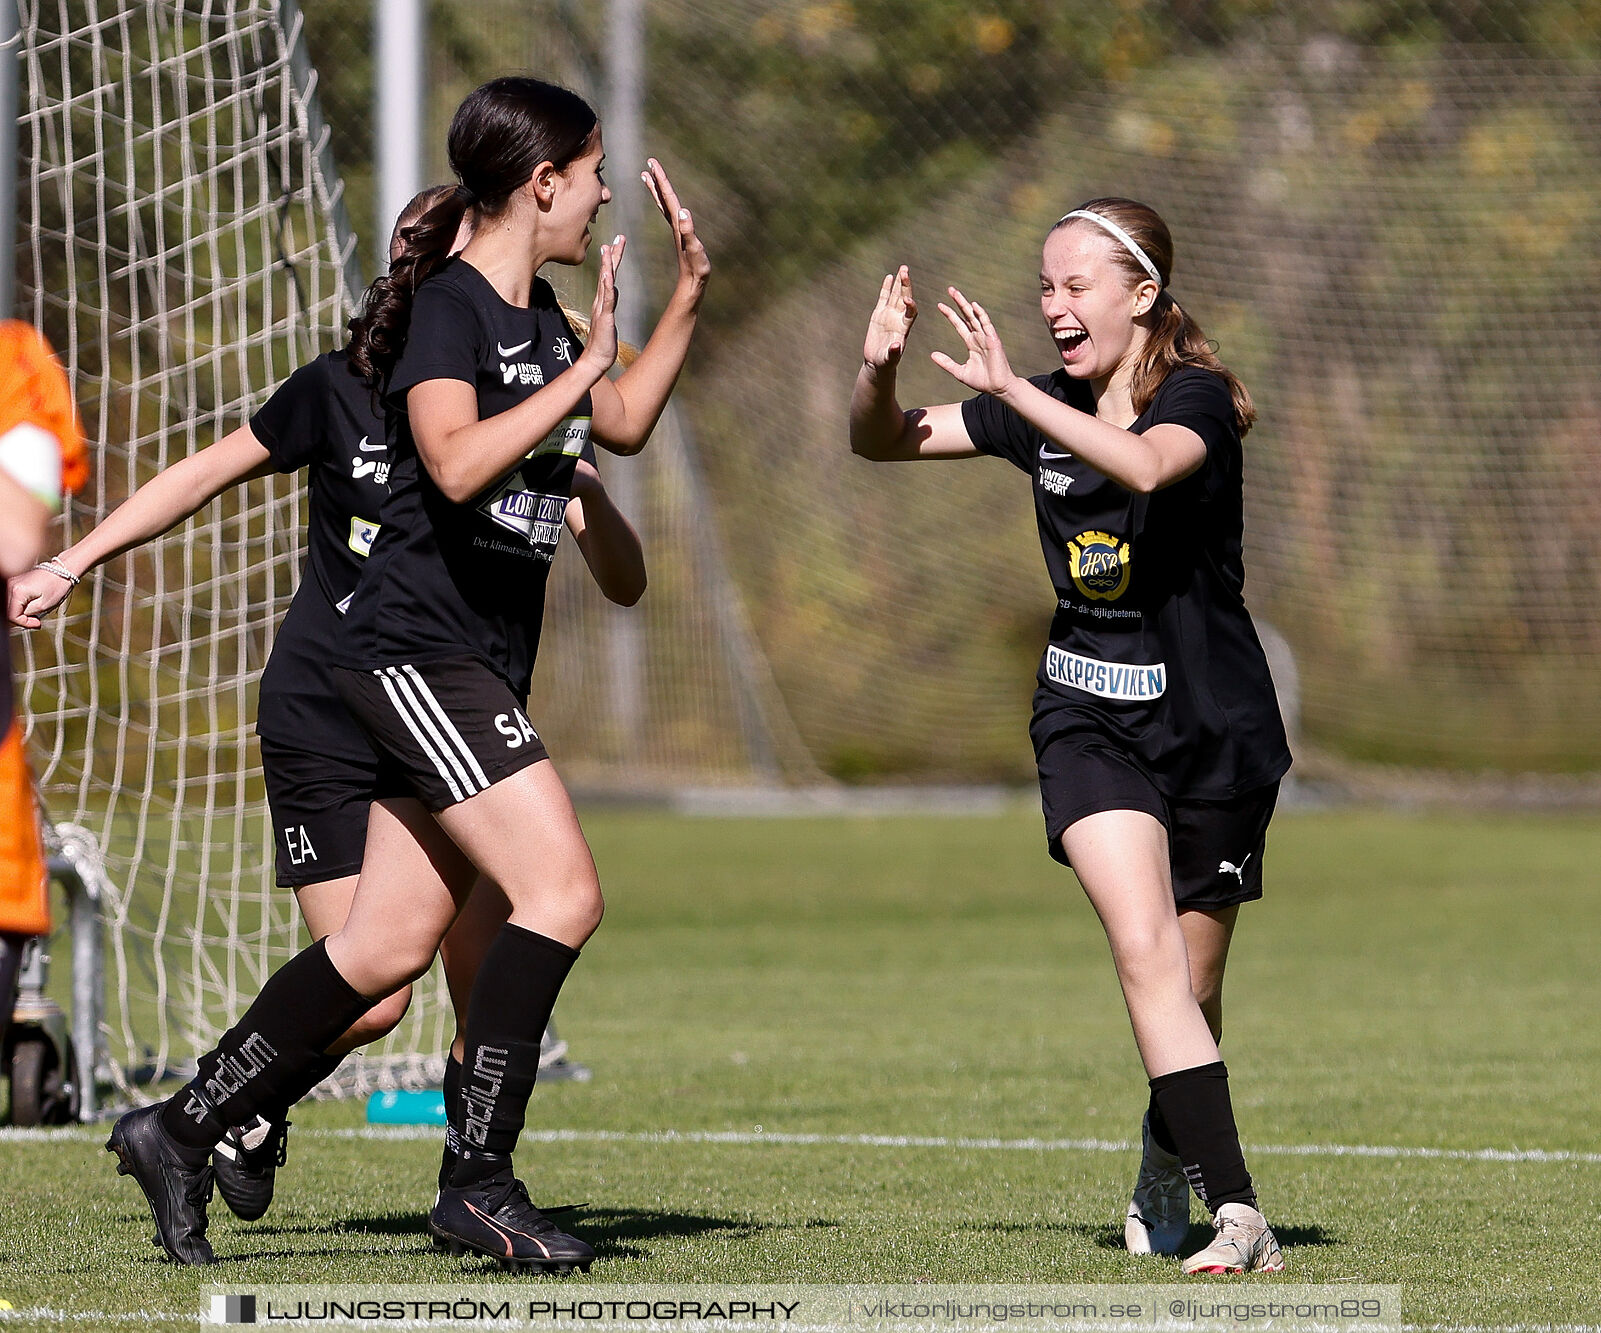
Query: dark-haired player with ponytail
x=1156 y=728
x=494 y=399
x=319 y=768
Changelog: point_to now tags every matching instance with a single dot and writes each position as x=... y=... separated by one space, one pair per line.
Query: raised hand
x=32 y=594
x=601 y=349
x=986 y=369
x=694 y=266
x=892 y=320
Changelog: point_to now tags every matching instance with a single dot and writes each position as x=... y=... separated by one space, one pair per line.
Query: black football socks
x=1195 y=1109
x=11 y=946
x=293 y=1090
x=1160 y=1134
x=452 y=1090
x=268 y=1054
x=518 y=982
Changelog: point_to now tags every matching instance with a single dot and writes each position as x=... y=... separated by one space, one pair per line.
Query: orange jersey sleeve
x=34 y=389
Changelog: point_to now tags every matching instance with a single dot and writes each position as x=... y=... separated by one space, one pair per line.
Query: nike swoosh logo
x=1051 y=456
x=369 y=448
x=512 y=351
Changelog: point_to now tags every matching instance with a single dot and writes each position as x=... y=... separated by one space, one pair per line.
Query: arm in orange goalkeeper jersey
x=42 y=455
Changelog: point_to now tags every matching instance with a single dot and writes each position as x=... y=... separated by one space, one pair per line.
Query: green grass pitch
x=1422 y=982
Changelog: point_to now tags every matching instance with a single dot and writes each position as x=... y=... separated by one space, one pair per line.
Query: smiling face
x=576 y=195
x=1091 y=307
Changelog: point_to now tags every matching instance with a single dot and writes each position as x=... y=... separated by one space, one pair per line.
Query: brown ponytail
x=378 y=333
x=1174 y=339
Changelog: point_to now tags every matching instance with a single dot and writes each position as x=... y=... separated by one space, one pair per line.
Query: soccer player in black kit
x=320 y=770
x=1156 y=728
x=495 y=398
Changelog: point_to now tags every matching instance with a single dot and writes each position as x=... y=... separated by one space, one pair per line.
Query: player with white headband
x=1156 y=729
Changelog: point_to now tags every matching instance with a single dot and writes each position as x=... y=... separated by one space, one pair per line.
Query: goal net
x=184 y=249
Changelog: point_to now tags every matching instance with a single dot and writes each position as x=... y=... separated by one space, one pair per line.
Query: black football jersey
x=325 y=419
x=1151 y=644
x=447 y=579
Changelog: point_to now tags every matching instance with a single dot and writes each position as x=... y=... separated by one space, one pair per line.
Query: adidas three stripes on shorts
x=445 y=730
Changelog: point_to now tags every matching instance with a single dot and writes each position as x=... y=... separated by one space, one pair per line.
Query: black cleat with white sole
x=495 y=1218
x=246 y=1163
x=175 y=1188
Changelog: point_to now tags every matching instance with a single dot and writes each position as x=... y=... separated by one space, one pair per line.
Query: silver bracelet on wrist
x=54 y=566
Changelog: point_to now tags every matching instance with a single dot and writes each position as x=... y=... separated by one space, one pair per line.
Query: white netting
x=184 y=251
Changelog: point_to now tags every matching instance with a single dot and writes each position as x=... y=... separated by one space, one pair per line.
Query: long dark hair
x=1175 y=339
x=499 y=134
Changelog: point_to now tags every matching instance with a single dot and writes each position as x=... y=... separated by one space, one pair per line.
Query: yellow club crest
x=1099 y=564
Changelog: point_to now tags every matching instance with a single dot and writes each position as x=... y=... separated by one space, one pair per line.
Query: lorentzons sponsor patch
x=1105 y=680
x=532 y=515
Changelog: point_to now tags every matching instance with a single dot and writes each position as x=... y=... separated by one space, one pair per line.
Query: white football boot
x=1244 y=1244
x=1159 y=1213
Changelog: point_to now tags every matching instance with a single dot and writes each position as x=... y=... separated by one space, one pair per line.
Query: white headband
x=1129 y=243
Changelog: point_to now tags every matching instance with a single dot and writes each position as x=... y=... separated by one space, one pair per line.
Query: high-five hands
x=601 y=347
x=892 y=321
x=986 y=369
x=694 y=266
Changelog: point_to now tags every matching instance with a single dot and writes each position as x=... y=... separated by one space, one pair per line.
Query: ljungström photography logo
x=233 y=1309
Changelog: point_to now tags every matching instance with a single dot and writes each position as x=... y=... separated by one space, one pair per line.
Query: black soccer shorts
x=1215 y=848
x=319 y=808
x=444 y=730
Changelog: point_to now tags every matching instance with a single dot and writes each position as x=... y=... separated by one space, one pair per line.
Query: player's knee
x=1208 y=993
x=588 y=905
x=382 y=1019
x=1211 y=1003
x=1146 y=955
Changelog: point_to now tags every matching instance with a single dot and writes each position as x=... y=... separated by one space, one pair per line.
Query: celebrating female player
x=1156 y=729
x=320 y=771
x=496 y=398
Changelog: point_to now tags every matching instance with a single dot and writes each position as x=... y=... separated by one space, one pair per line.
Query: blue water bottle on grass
x=406 y=1108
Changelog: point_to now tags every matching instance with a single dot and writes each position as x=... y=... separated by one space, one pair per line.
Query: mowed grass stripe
x=430 y=1133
